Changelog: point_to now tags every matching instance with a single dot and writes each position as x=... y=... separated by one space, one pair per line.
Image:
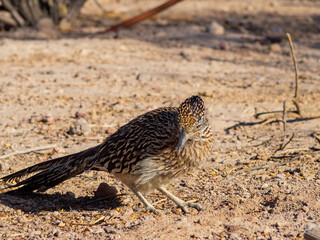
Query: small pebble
x=235 y=236
x=252 y=219
x=22 y=219
x=275 y=47
x=46 y=217
x=48 y=119
x=57 y=233
x=279 y=176
x=281 y=183
x=149 y=218
x=223 y=46
x=109 y=229
x=80 y=115
x=267 y=229
x=105 y=190
x=56 y=213
x=313 y=232
x=86 y=231
x=311 y=216
x=216 y=28
x=305 y=208
x=310 y=226
x=61 y=224
x=81 y=127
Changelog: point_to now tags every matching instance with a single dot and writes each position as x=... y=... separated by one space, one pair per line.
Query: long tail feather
x=36 y=168
x=49 y=178
x=54 y=171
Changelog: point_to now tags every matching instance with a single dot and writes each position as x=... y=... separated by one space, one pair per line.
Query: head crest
x=191 y=111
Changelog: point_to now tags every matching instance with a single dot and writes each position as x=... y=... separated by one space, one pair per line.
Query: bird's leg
x=182 y=204
x=147 y=206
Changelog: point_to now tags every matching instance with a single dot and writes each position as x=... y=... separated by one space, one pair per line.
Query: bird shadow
x=36 y=202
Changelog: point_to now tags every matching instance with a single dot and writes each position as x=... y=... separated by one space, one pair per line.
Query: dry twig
x=100 y=6
x=297 y=150
x=28 y=150
x=316 y=137
x=257 y=115
x=284 y=115
x=140 y=17
x=252 y=169
x=295 y=66
x=284 y=144
x=294 y=99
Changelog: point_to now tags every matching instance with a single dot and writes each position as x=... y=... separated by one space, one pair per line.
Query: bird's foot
x=184 y=206
x=152 y=209
x=195 y=205
x=180 y=203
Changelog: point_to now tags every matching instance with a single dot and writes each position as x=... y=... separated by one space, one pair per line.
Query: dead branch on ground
x=134 y=20
x=317 y=138
x=285 y=144
x=295 y=66
x=267 y=121
x=28 y=150
x=295 y=97
x=284 y=111
x=284 y=114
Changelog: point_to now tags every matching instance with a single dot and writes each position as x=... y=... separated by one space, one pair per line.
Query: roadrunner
x=145 y=154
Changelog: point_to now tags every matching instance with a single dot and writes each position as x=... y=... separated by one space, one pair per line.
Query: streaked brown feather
x=142 y=153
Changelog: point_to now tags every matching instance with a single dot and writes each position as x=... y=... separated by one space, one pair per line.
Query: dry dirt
x=250 y=188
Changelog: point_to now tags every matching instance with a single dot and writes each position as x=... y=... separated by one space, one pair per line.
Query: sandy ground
x=250 y=188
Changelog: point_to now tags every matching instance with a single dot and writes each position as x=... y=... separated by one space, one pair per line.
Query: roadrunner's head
x=191 y=118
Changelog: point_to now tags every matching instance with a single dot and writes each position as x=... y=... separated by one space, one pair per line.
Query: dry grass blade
x=98 y=220
x=295 y=66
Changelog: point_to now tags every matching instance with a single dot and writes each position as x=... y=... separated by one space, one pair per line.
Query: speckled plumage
x=145 y=154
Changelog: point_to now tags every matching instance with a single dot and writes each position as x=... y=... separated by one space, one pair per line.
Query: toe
x=155 y=211
x=184 y=208
x=150 y=209
x=196 y=206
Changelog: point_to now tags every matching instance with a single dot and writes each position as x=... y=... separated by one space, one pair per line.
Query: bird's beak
x=182 y=140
